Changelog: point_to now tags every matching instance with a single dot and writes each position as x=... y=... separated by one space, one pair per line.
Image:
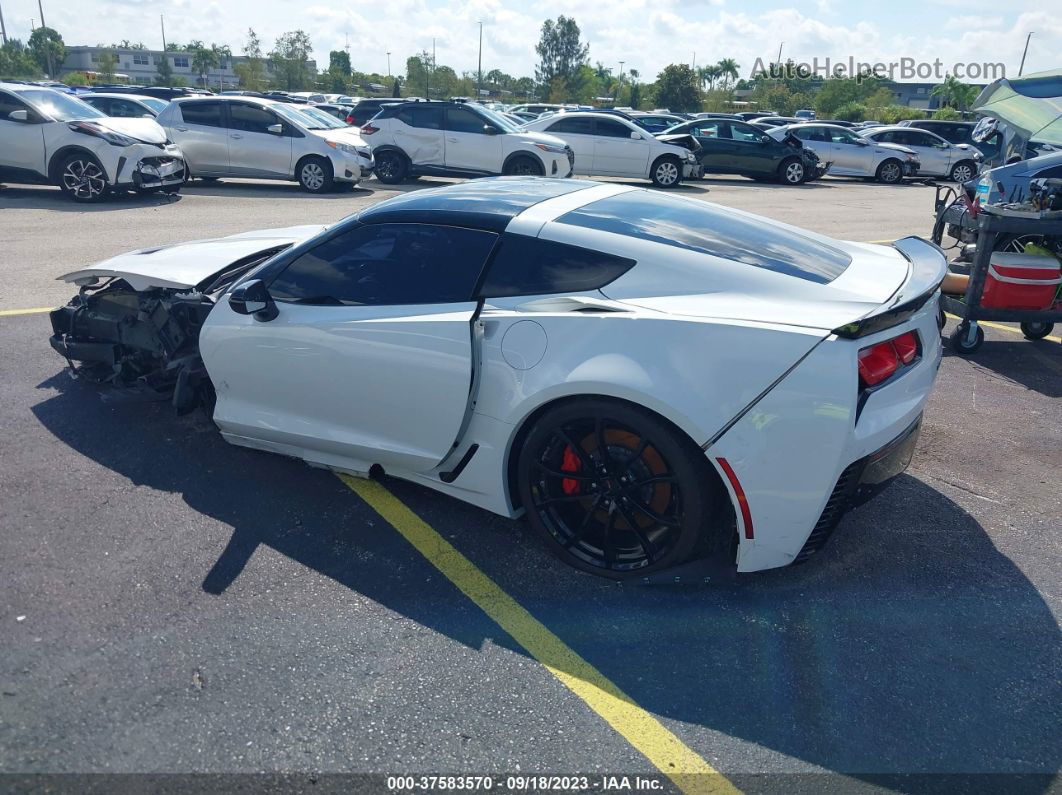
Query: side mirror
x=276 y=129
x=636 y=136
x=490 y=129
x=18 y=115
x=252 y=298
x=862 y=142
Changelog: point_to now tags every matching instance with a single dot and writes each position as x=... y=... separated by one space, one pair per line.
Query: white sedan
x=936 y=156
x=607 y=145
x=648 y=378
x=852 y=155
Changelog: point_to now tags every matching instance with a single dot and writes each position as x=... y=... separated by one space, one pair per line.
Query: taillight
x=881 y=361
x=350 y=119
x=368 y=129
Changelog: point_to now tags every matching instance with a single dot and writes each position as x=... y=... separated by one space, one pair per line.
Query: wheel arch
x=61 y=154
x=310 y=156
x=519 y=153
x=533 y=414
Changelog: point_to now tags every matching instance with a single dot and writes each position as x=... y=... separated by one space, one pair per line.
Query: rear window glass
x=699 y=226
x=529 y=266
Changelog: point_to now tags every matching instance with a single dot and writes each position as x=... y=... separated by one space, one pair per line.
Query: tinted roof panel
x=709 y=229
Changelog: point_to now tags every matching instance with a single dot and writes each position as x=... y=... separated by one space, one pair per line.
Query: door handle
x=183 y=129
x=236 y=135
x=452 y=140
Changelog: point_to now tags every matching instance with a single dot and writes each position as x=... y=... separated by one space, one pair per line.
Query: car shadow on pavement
x=909 y=645
x=45 y=197
x=269 y=189
x=1034 y=364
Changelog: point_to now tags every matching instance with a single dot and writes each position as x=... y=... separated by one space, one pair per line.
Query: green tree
x=728 y=70
x=396 y=91
x=16 y=61
x=524 y=87
x=948 y=114
x=339 y=61
x=107 y=65
x=47 y=48
x=561 y=53
x=677 y=88
x=203 y=60
x=290 y=59
x=163 y=70
x=252 y=71
x=952 y=92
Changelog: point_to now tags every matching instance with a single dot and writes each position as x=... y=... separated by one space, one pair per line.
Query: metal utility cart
x=969 y=336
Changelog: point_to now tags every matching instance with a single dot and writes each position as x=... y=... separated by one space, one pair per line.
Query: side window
x=745 y=132
x=8 y=105
x=464 y=121
x=388 y=264
x=577 y=126
x=707 y=129
x=427 y=118
x=250 y=118
x=125 y=108
x=926 y=139
x=807 y=133
x=207 y=114
x=886 y=137
x=101 y=104
x=841 y=136
x=611 y=129
x=530 y=266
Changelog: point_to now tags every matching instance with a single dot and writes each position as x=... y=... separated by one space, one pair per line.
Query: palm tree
x=728 y=68
x=203 y=60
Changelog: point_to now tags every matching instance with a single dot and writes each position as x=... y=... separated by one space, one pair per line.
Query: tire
x=791 y=171
x=959 y=343
x=82 y=178
x=667 y=172
x=889 y=172
x=963 y=171
x=391 y=167
x=315 y=175
x=523 y=166
x=649 y=525
x=1036 y=330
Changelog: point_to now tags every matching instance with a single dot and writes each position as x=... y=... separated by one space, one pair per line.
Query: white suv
x=226 y=136
x=52 y=138
x=611 y=146
x=450 y=139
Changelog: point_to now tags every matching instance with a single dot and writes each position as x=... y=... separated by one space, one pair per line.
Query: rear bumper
x=810 y=449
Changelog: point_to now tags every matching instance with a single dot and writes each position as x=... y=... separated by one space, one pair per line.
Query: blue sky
x=645 y=34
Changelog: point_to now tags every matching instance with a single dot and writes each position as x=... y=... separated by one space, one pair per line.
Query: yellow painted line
x=13 y=312
x=1001 y=327
x=689 y=771
x=891 y=240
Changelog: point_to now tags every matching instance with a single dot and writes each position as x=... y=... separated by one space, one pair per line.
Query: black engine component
x=134 y=340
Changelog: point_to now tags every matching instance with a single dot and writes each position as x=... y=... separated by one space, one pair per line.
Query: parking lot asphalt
x=172 y=603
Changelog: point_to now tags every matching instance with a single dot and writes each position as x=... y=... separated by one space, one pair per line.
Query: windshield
x=61 y=107
x=496 y=118
x=157 y=105
x=290 y=114
x=319 y=120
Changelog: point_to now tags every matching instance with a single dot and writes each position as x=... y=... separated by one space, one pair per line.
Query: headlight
x=691 y=158
x=110 y=136
x=557 y=150
x=350 y=149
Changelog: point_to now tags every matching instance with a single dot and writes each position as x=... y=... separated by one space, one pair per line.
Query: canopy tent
x=1031 y=106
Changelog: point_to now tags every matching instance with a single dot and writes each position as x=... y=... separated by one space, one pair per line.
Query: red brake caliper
x=570 y=463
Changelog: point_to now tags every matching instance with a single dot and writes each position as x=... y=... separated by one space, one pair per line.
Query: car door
x=22 y=148
x=852 y=154
x=201 y=133
x=619 y=150
x=254 y=151
x=817 y=139
x=472 y=143
x=578 y=133
x=755 y=152
x=717 y=148
x=418 y=131
x=369 y=357
x=933 y=152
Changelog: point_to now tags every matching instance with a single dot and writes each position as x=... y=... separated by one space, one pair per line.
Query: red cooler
x=1021 y=281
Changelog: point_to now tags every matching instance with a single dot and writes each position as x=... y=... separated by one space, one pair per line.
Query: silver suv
x=263 y=139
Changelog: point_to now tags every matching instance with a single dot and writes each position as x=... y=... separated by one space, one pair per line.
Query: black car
x=159 y=92
x=368 y=108
x=728 y=146
x=749 y=115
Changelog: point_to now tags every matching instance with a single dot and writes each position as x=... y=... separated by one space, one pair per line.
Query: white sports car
x=651 y=379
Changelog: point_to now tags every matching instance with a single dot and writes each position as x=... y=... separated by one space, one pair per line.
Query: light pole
x=3 y=30
x=1024 y=53
x=388 y=63
x=780 y=53
x=479 y=71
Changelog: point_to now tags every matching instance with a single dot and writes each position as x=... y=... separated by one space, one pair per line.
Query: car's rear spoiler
x=929 y=266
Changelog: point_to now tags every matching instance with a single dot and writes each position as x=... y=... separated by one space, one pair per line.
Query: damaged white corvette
x=653 y=380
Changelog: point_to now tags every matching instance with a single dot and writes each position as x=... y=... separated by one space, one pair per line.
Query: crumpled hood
x=184 y=265
x=147 y=130
x=897 y=147
x=348 y=136
x=539 y=138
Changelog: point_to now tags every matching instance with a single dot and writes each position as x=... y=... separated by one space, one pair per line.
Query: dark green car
x=729 y=146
